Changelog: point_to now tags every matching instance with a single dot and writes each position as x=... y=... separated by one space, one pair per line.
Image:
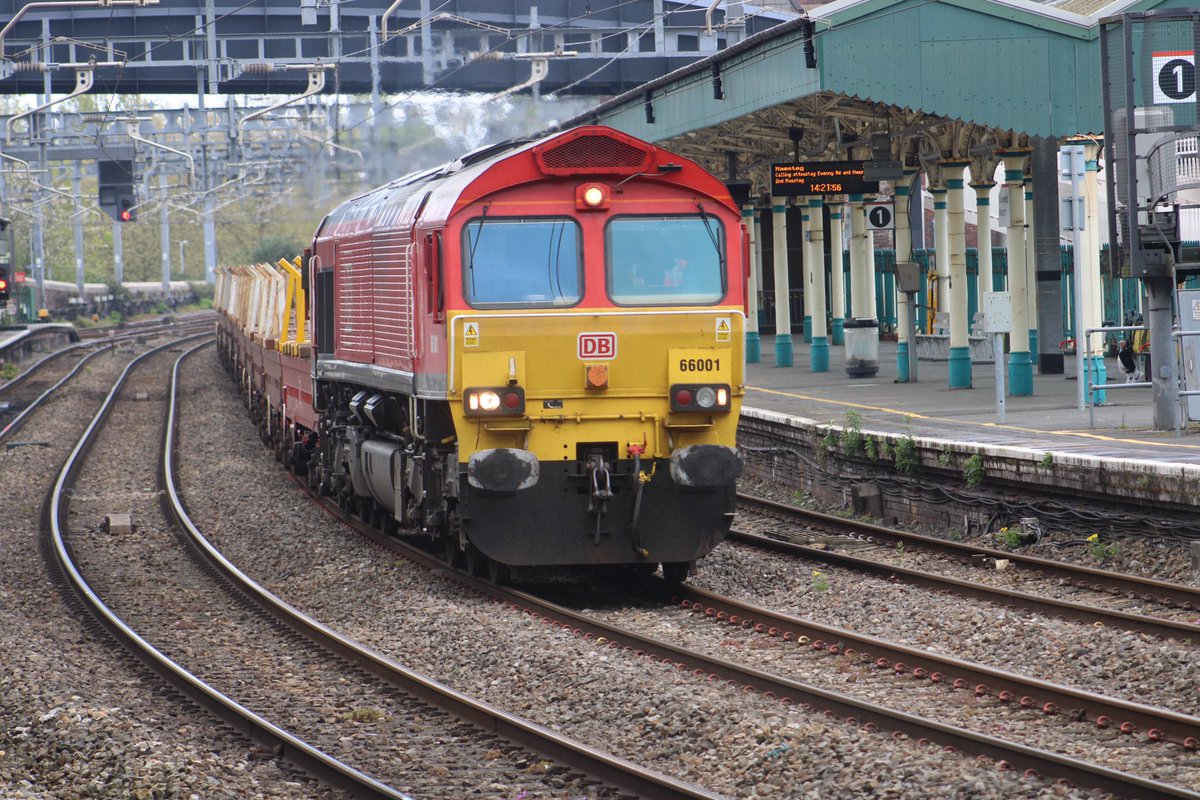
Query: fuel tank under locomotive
x=374 y=458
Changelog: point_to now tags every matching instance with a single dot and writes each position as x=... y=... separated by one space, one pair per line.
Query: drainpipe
x=1031 y=281
x=1091 y=262
x=805 y=268
x=903 y=238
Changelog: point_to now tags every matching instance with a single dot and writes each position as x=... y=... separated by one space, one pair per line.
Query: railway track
x=337 y=567
x=41 y=380
x=181 y=635
x=980 y=681
x=40 y=383
x=1057 y=588
x=144 y=326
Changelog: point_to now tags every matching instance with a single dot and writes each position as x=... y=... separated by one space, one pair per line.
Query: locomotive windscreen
x=522 y=262
x=665 y=260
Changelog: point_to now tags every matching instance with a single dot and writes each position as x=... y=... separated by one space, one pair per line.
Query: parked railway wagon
x=64 y=300
x=533 y=354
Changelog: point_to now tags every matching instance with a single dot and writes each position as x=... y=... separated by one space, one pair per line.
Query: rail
x=237 y=715
x=870 y=715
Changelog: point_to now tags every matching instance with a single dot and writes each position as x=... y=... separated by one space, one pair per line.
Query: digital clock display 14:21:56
x=820 y=178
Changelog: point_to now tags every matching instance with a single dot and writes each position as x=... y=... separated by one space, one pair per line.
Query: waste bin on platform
x=862 y=347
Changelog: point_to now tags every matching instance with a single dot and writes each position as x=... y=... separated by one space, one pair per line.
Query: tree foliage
x=268 y=223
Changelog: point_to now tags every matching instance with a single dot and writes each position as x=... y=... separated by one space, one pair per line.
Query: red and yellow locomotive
x=534 y=354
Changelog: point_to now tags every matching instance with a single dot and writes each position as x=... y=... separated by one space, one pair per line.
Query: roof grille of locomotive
x=593 y=155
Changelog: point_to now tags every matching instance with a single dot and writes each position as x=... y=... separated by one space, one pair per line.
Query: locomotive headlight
x=706 y=397
x=505 y=401
x=592 y=196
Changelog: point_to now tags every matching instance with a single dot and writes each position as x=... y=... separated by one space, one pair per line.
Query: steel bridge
x=265 y=46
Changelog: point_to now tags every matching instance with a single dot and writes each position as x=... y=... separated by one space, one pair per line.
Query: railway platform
x=1046 y=442
x=18 y=341
x=1048 y=421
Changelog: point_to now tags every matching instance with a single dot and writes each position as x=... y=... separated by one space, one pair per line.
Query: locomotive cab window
x=676 y=260
x=522 y=262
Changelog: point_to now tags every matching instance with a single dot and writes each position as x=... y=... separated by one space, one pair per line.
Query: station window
x=675 y=260
x=521 y=262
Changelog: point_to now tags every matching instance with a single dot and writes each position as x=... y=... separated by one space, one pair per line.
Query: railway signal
x=3 y=285
x=115 y=192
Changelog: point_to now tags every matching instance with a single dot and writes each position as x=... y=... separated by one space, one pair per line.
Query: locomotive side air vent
x=593 y=153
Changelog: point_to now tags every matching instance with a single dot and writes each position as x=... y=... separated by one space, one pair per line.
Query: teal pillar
x=960 y=367
x=783 y=310
x=1033 y=341
x=750 y=219
x=783 y=349
x=820 y=354
x=902 y=362
x=960 y=330
x=1020 y=374
x=753 y=348
x=814 y=256
x=837 y=277
x=807 y=329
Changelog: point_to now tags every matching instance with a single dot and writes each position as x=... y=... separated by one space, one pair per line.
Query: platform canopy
x=954 y=80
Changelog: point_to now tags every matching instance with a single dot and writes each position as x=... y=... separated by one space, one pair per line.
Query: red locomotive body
x=533 y=353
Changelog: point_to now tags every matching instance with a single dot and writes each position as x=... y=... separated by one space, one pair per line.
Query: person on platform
x=1128 y=362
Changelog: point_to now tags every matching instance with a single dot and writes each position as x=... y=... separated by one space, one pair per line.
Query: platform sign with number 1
x=881 y=216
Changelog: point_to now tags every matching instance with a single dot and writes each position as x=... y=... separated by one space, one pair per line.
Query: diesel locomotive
x=533 y=354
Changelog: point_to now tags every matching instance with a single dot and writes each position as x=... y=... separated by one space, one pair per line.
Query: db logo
x=595 y=346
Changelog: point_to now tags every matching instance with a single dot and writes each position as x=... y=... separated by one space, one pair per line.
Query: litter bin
x=862 y=347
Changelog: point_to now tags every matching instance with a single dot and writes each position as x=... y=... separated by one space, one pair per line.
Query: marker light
x=489 y=401
x=700 y=397
x=593 y=196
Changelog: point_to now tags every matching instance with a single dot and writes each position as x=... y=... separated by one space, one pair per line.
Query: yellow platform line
x=1099 y=437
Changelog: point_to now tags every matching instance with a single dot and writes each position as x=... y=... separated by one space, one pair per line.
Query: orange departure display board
x=820 y=177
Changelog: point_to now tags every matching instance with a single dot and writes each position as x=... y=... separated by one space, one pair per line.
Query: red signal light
x=126 y=215
x=3 y=285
